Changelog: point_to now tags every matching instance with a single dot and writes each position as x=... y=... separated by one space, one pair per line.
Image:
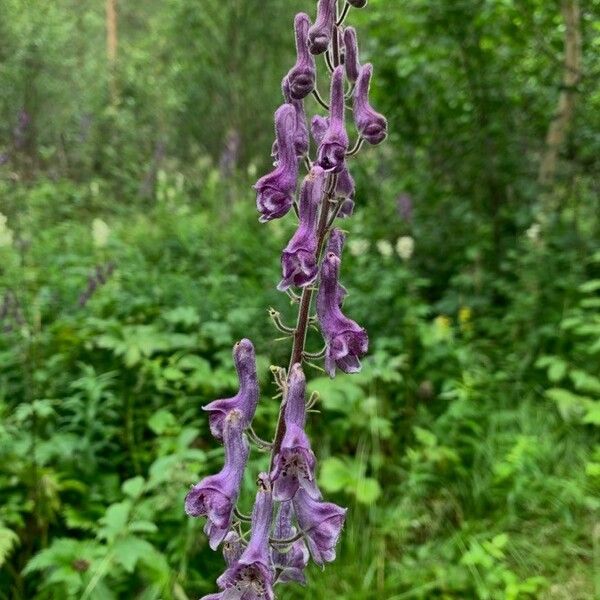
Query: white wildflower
x=100 y=233
x=385 y=248
x=6 y=234
x=533 y=233
x=405 y=246
x=358 y=247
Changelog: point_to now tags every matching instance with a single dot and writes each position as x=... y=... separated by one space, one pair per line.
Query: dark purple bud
x=351 y=62
x=232 y=547
x=274 y=191
x=319 y=35
x=333 y=147
x=335 y=245
x=322 y=523
x=246 y=399
x=345 y=341
x=290 y=561
x=371 y=125
x=294 y=464
x=303 y=74
x=357 y=3
x=215 y=496
x=252 y=576
x=299 y=259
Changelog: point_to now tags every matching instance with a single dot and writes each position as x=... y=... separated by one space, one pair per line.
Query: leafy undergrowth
x=466 y=449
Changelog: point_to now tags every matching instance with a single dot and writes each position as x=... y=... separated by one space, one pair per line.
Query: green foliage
x=466 y=449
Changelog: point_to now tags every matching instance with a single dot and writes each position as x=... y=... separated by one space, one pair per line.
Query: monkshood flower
x=299 y=258
x=345 y=182
x=275 y=191
x=290 y=561
x=301 y=141
x=351 y=62
x=303 y=74
x=371 y=125
x=345 y=341
x=294 y=464
x=319 y=35
x=246 y=399
x=252 y=576
x=215 y=496
x=332 y=150
x=322 y=523
x=335 y=245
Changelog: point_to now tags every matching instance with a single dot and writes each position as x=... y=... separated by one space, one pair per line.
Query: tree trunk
x=111 y=47
x=559 y=126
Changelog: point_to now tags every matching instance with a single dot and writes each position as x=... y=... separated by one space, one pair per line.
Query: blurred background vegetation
x=131 y=260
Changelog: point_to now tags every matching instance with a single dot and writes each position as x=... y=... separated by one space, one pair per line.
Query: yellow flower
x=464 y=315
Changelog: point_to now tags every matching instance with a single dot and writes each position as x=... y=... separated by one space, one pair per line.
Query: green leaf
x=335 y=475
x=114 y=521
x=8 y=541
x=128 y=550
x=592 y=413
x=425 y=437
x=367 y=490
x=161 y=421
x=570 y=406
x=133 y=487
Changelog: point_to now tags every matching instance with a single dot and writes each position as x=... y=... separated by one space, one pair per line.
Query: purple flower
x=405 y=208
x=294 y=464
x=345 y=341
x=335 y=245
x=299 y=258
x=301 y=133
x=215 y=496
x=345 y=183
x=351 y=62
x=303 y=74
x=371 y=125
x=292 y=560
x=322 y=523
x=332 y=151
x=252 y=576
x=274 y=191
x=319 y=35
x=246 y=399
x=301 y=140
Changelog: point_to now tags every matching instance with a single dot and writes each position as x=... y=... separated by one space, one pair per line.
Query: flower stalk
x=290 y=521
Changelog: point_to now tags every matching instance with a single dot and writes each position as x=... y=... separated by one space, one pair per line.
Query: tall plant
x=290 y=521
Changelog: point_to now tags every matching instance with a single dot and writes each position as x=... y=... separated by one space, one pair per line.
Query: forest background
x=131 y=260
